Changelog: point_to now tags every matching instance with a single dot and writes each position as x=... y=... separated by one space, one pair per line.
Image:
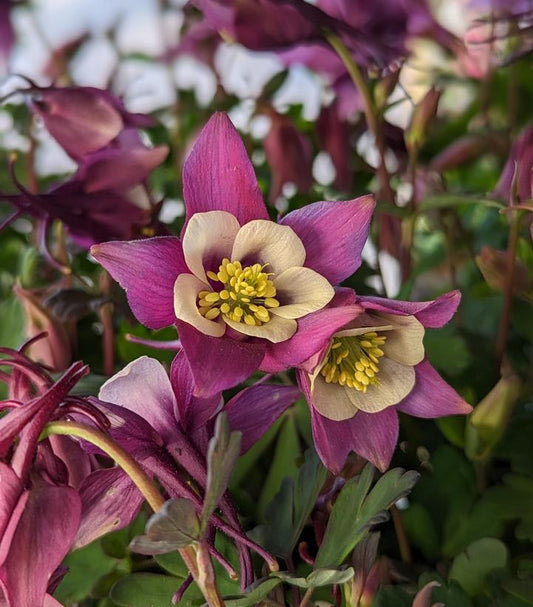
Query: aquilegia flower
x=237 y=285
x=372 y=368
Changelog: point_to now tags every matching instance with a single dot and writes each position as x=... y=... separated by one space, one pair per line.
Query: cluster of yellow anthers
x=246 y=295
x=353 y=360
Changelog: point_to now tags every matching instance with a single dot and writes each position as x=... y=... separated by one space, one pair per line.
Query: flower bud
x=423 y=115
x=54 y=350
x=488 y=422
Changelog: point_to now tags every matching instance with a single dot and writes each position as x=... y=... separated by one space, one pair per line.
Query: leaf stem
x=306 y=599
x=371 y=115
x=401 y=536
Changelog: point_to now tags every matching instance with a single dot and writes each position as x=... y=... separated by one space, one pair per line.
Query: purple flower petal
x=119 y=169
x=110 y=501
x=431 y=314
x=432 y=396
x=147 y=271
x=10 y=492
x=333 y=234
x=255 y=409
x=313 y=334
x=129 y=430
x=371 y=435
x=218 y=363
x=80 y=119
x=143 y=387
x=43 y=537
x=218 y=175
x=192 y=412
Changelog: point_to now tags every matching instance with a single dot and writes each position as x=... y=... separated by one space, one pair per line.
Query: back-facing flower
x=238 y=285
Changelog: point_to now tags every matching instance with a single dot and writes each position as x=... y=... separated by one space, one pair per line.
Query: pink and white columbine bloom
x=372 y=368
x=245 y=292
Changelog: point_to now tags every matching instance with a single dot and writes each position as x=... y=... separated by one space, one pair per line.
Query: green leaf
x=447 y=350
x=283 y=463
x=318 y=577
x=258 y=591
x=471 y=568
x=86 y=566
x=222 y=454
x=144 y=590
x=421 y=530
x=522 y=589
x=356 y=510
x=172 y=527
x=288 y=512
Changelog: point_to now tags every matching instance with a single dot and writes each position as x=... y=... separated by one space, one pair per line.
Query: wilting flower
x=240 y=288
x=372 y=368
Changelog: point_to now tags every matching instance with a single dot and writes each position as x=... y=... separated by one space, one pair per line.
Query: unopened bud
x=423 y=115
x=488 y=422
x=494 y=266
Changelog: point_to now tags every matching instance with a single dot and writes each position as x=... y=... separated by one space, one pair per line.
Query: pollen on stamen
x=353 y=361
x=246 y=296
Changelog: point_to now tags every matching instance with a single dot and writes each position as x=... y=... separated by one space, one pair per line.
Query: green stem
x=123 y=459
x=371 y=115
x=505 y=318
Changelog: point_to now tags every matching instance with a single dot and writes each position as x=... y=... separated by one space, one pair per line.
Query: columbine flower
x=240 y=288
x=372 y=368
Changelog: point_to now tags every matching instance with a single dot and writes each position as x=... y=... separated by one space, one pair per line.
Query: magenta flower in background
x=239 y=287
x=372 y=368
x=94 y=128
x=290 y=156
x=83 y=119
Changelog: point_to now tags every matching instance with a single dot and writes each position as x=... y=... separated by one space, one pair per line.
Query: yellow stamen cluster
x=353 y=361
x=246 y=295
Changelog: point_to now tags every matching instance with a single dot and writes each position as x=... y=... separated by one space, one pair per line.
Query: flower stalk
x=195 y=556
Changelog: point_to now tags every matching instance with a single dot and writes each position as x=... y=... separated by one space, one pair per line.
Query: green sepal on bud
x=488 y=422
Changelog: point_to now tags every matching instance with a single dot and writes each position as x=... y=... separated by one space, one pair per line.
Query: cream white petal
x=208 y=236
x=405 y=343
x=186 y=289
x=275 y=330
x=301 y=291
x=395 y=382
x=332 y=400
x=262 y=241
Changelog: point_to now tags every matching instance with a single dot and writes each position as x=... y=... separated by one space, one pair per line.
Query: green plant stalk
x=195 y=556
x=371 y=115
x=505 y=318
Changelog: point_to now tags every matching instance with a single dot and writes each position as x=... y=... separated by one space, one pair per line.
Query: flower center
x=246 y=295
x=353 y=361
